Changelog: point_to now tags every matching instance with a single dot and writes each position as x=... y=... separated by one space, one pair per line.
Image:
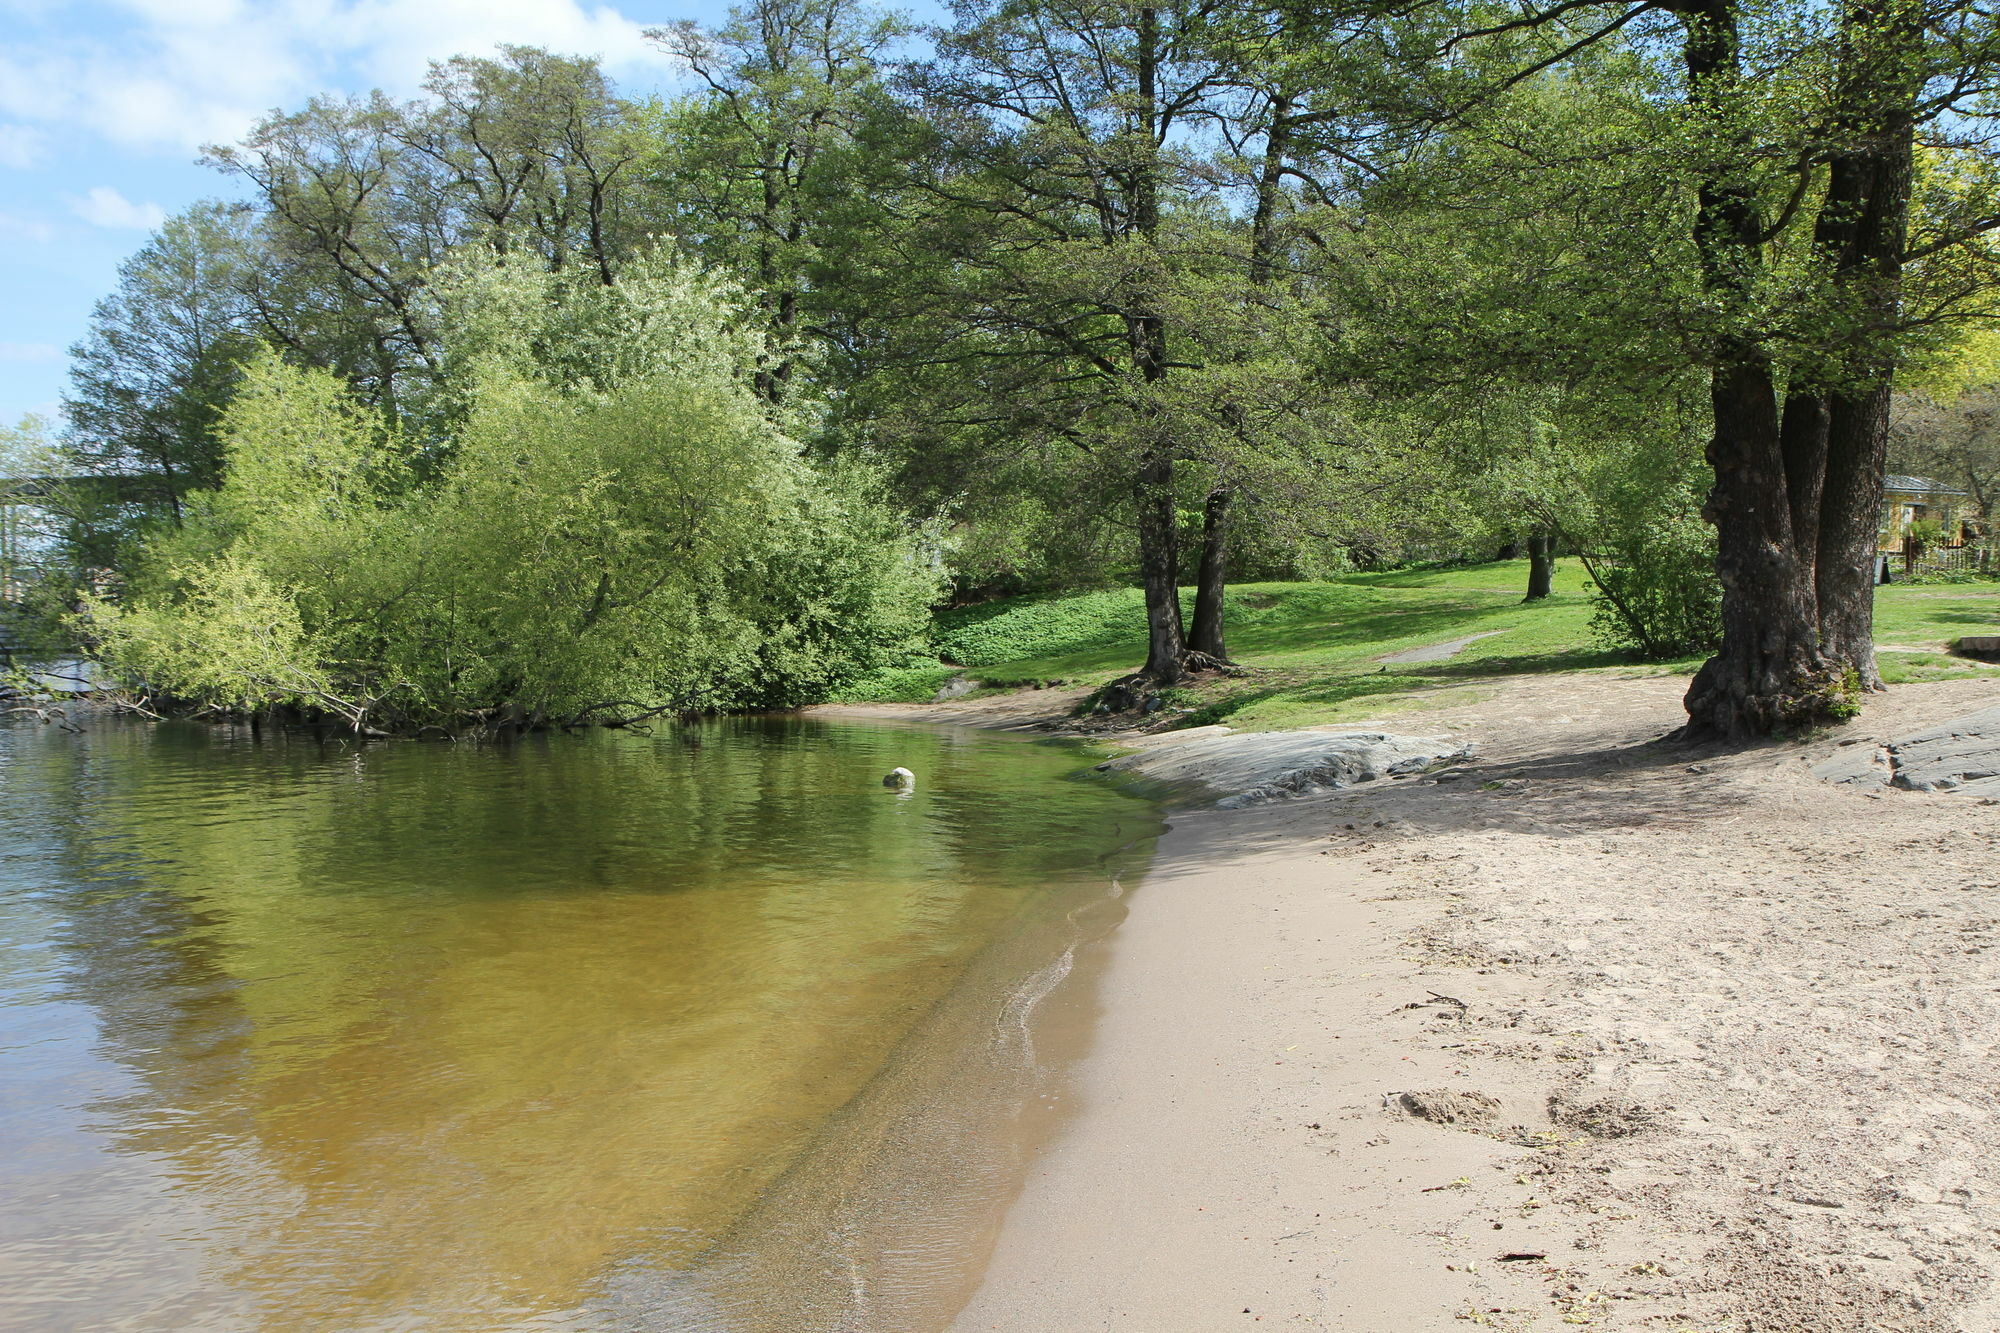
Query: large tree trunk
x=1769 y=673
x=1802 y=439
x=1850 y=527
x=1209 y=579
x=1159 y=568
x=1541 y=564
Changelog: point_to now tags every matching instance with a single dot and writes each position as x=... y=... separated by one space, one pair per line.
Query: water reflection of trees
x=439 y=1027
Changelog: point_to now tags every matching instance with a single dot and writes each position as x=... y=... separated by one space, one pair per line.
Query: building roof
x=1897 y=481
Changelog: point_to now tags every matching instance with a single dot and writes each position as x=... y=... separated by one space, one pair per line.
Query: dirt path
x=1721 y=1049
x=1440 y=652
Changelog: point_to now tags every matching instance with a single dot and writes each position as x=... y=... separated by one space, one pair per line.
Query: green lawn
x=1313 y=649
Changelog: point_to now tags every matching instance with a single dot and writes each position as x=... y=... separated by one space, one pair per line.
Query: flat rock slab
x=1248 y=769
x=1985 y=647
x=1438 y=652
x=1960 y=755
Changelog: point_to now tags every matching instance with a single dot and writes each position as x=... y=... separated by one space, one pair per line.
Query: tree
x=538 y=152
x=357 y=222
x=764 y=170
x=149 y=382
x=360 y=200
x=1081 y=241
x=1789 y=139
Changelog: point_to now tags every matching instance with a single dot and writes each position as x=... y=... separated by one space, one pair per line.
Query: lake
x=704 y=1029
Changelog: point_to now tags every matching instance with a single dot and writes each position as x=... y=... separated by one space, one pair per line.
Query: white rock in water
x=900 y=777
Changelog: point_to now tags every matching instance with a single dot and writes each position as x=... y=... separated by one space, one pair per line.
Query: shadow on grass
x=1361 y=632
x=1377 y=632
x=1535 y=664
x=1965 y=617
x=1343 y=687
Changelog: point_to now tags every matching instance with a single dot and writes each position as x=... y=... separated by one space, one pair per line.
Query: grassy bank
x=1313 y=650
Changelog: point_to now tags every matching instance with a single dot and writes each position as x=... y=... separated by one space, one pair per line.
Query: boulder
x=1236 y=770
x=955 y=688
x=1960 y=755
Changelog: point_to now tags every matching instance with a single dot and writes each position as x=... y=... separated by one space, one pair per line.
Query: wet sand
x=1208 y=1181
x=1602 y=1033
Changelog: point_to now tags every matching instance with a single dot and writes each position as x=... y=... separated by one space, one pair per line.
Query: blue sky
x=104 y=106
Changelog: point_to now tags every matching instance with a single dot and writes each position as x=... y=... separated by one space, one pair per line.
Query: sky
x=105 y=105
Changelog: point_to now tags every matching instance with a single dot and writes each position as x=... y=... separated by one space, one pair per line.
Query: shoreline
x=885 y=1219
x=1196 y=1185
x=1692 y=1042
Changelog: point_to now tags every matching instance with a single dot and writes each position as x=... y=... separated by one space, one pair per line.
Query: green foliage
x=149 y=381
x=896 y=685
x=1025 y=628
x=230 y=638
x=638 y=538
x=1832 y=695
x=26 y=449
x=1658 y=594
x=1925 y=531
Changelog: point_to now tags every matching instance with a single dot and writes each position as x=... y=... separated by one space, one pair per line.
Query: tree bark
x=1802 y=439
x=1159 y=568
x=1270 y=177
x=1541 y=564
x=1769 y=672
x=1207 y=636
x=1850 y=527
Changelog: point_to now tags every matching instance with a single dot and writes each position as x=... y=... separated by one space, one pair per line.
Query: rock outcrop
x=1960 y=755
x=1247 y=769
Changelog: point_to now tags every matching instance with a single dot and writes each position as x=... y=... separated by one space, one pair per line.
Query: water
x=702 y=1030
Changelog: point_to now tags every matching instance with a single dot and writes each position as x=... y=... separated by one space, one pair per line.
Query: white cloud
x=22 y=227
x=105 y=207
x=34 y=354
x=21 y=145
x=180 y=73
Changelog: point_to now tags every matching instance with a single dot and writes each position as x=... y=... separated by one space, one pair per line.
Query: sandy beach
x=1598 y=1033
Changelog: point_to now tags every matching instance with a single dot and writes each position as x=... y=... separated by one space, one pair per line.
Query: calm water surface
x=690 y=1031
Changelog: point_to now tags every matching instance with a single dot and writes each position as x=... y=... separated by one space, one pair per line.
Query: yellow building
x=1906 y=500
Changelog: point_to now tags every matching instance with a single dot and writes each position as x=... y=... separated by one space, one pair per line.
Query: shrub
x=639 y=540
x=896 y=685
x=1659 y=596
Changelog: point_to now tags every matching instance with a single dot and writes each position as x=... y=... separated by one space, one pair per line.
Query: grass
x=1313 y=649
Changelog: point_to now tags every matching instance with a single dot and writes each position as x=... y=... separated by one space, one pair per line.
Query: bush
x=1659 y=596
x=896 y=685
x=645 y=540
